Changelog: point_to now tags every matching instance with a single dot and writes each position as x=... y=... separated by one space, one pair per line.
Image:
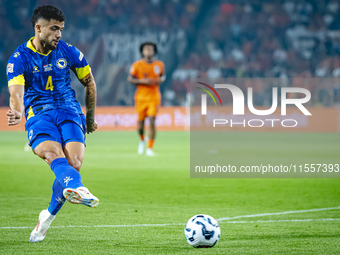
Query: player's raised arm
x=90 y=101
x=14 y=115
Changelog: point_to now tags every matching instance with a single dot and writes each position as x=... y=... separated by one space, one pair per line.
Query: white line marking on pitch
x=220 y=220
x=278 y=213
x=278 y=221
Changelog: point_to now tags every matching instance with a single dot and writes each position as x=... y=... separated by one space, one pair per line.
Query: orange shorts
x=145 y=109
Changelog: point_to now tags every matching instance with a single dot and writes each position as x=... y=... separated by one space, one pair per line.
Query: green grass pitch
x=136 y=193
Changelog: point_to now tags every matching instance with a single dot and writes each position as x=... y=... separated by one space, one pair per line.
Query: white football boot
x=45 y=219
x=150 y=153
x=141 y=147
x=82 y=196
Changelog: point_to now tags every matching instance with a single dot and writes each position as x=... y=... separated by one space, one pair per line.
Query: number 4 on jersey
x=49 y=84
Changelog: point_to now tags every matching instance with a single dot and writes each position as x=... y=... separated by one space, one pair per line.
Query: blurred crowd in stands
x=87 y=20
x=256 y=39
x=226 y=38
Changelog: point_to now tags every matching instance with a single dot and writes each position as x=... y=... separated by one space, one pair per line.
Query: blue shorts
x=56 y=125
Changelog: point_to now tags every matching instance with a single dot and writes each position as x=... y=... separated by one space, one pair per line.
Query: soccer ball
x=202 y=231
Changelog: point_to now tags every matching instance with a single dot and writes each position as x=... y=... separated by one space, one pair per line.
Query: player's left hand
x=13 y=117
x=91 y=125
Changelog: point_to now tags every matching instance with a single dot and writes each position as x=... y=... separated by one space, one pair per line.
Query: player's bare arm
x=161 y=79
x=14 y=115
x=90 y=101
x=146 y=81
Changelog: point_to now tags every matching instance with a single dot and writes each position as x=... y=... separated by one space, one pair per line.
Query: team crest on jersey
x=157 y=69
x=61 y=63
x=10 y=67
x=16 y=54
x=36 y=69
x=48 y=68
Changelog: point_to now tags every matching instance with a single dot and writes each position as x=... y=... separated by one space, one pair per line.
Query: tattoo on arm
x=88 y=80
x=90 y=98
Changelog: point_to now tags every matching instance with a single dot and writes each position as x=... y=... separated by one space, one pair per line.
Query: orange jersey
x=141 y=70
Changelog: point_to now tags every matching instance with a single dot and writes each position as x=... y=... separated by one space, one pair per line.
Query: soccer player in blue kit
x=39 y=83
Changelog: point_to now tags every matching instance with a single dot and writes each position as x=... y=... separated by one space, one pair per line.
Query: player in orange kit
x=147 y=74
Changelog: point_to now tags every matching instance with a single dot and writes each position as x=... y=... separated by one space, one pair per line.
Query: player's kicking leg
x=74 y=152
x=141 y=146
x=152 y=134
x=67 y=185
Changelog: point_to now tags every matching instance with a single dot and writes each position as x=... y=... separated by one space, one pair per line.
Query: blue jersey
x=46 y=77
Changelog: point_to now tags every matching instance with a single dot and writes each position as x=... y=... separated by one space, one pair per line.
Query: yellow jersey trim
x=18 y=80
x=83 y=71
x=30 y=113
x=30 y=46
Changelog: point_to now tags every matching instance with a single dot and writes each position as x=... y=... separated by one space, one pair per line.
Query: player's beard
x=48 y=44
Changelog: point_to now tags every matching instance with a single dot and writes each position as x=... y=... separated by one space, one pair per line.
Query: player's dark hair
x=47 y=12
x=147 y=43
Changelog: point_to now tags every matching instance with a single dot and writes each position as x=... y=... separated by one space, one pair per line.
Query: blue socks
x=57 y=199
x=66 y=177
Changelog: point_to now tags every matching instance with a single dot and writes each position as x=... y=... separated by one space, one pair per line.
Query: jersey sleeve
x=134 y=69
x=15 y=70
x=79 y=64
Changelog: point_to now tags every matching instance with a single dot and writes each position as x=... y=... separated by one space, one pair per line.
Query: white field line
x=277 y=221
x=220 y=220
x=278 y=213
